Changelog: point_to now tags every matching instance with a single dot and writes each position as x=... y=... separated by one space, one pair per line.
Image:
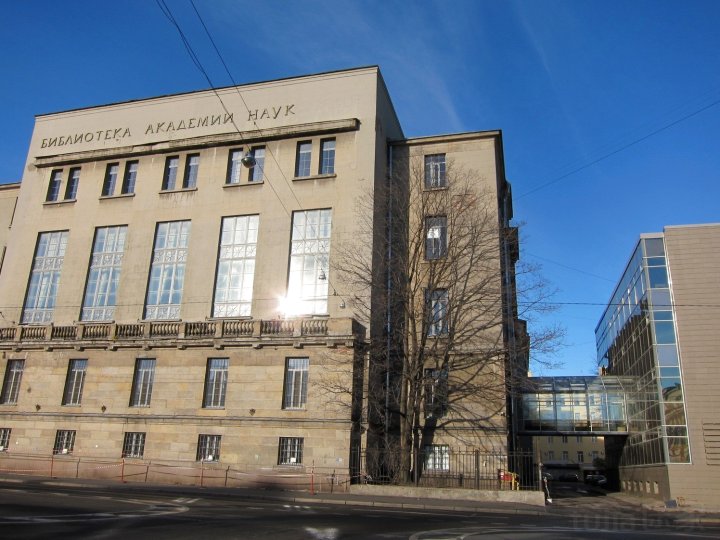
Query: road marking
x=330 y=533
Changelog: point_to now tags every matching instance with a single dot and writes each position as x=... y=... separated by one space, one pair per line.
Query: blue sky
x=610 y=110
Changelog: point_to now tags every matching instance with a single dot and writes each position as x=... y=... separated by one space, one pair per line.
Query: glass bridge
x=578 y=405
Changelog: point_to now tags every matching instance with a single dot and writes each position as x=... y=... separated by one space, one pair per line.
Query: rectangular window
x=565 y=455
x=290 y=451
x=128 y=185
x=296 y=380
x=437 y=457
x=74 y=382
x=170 y=174
x=133 y=445
x=216 y=376
x=436 y=393
x=435 y=171
x=438 y=312
x=142 y=385
x=44 y=277
x=550 y=437
x=208 y=448
x=257 y=171
x=167 y=273
x=236 y=266
x=302 y=159
x=4 y=439
x=551 y=455
x=111 y=173
x=564 y=439
x=309 y=254
x=234 y=166
x=327 y=156
x=11 y=382
x=435 y=237
x=53 y=191
x=580 y=456
x=64 y=441
x=104 y=275
x=72 y=185
x=594 y=455
x=192 y=163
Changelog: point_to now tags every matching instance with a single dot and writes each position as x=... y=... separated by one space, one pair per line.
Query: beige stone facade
x=8 y=200
x=239 y=367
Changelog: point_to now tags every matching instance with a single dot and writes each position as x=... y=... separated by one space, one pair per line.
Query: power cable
x=618 y=150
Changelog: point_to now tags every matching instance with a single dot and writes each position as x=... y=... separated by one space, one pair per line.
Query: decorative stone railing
x=184 y=333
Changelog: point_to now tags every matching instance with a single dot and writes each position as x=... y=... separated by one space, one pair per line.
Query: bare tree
x=434 y=278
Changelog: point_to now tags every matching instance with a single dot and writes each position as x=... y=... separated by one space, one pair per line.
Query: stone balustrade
x=187 y=333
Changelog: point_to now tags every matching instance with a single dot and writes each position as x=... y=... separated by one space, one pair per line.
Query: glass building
x=637 y=337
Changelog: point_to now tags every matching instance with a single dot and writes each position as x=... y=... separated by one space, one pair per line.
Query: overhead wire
x=198 y=63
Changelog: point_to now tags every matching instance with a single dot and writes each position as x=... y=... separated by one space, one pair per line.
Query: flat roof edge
x=211 y=89
x=449 y=136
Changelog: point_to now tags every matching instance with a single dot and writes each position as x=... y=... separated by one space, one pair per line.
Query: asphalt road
x=39 y=510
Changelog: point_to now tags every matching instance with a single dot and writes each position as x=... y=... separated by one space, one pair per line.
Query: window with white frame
x=104 y=275
x=143 y=379
x=74 y=382
x=208 y=448
x=290 y=451
x=236 y=266
x=551 y=455
x=565 y=456
x=302 y=159
x=327 y=156
x=216 y=375
x=437 y=312
x=234 y=167
x=44 y=277
x=435 y=237
x=64 y=441
x=167 y=273
x=257 y=171
x=296 y=381
x=4 y=439
x=594 y=455
x=128 y=185
x=72 y=184
x=437 y=457
x=309 y=257
x=53 y=191
x=170 y=173
x=133 y=445
x=581 y=456
x=192 y=164
x=436 y=393
x=435 y=171
x=111 y=174
x=11 y=382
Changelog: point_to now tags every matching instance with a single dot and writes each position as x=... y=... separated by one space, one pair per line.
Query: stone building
x=170 y=291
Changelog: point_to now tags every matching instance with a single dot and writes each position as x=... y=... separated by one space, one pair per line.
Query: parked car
x=571 y=477
x=596 y=479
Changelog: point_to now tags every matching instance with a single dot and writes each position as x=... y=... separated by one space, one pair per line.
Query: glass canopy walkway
x=577 y=405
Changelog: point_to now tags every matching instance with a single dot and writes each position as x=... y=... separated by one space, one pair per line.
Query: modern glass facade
x=576 y=404
x=636 y=337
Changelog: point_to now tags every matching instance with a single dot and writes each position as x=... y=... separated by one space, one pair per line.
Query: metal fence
x=444 y=467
